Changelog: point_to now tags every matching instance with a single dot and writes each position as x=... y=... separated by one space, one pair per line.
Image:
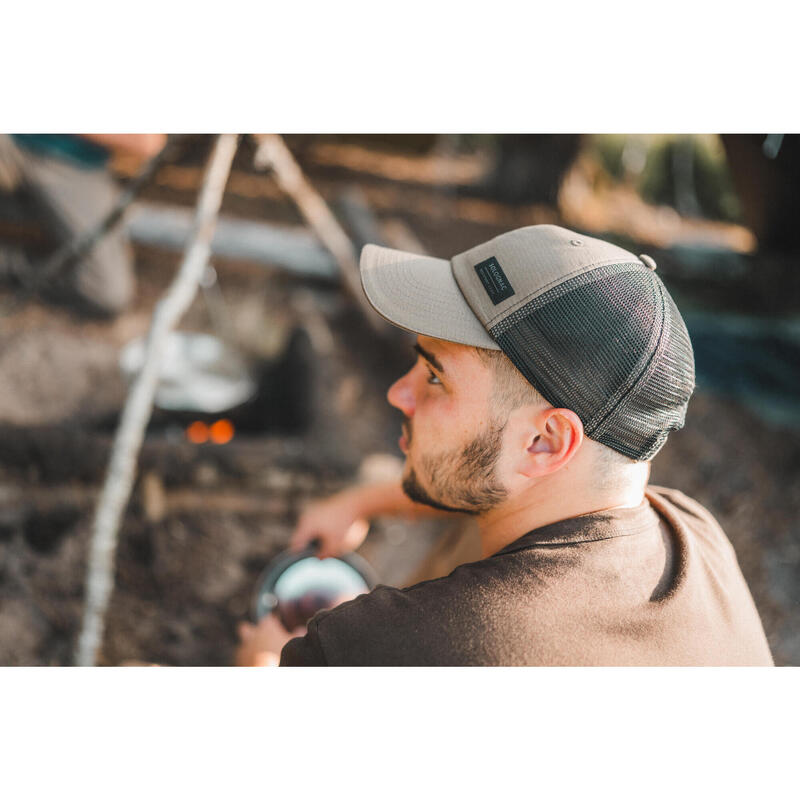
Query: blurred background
x=286 y=402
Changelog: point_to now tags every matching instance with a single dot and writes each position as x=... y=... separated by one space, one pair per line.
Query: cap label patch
x=494 y=280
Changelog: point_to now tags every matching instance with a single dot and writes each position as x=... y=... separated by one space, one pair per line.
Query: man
x=551 y=368
x=63 y=181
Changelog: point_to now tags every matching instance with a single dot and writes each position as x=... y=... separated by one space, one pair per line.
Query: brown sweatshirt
x=654 y=585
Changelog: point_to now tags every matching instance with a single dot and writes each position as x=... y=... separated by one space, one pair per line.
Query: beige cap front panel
x=533 y=260
x=419 y=293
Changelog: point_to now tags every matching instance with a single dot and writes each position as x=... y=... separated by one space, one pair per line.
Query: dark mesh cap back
x=611 y=345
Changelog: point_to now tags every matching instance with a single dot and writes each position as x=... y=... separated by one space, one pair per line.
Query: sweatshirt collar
x=591 y=527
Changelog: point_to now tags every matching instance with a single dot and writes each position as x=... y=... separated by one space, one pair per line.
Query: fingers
x=245 y=631
x=307 y=532
x=325 y=543
x=357 y=532
x=301 y=537
x=334 y=523
x=326 y=548
x=309 y=527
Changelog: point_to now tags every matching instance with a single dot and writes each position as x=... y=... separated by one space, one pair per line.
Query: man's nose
x=401 y=395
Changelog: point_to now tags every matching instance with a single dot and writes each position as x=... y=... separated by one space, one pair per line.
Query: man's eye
x=433 y=379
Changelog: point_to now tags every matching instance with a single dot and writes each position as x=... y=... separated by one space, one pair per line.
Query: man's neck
x=544 y=505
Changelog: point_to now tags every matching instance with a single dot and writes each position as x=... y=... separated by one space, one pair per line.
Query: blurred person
x=64 y=179
x=551 y=368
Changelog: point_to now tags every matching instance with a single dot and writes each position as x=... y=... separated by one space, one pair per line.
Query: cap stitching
x=515 y=316
x=560 y=279
x=647 y=368
x=376 y=307
x=616 y=400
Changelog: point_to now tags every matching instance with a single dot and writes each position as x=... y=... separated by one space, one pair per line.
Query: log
x=57 y=454
x=293 y=248
x=16 y=503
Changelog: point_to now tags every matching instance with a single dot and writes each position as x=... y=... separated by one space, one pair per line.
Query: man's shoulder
x=679 y=499
x=386 y=600
x=692 y=513
x=428 y=623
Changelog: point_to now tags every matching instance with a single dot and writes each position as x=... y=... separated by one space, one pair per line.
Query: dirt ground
x=205 y=519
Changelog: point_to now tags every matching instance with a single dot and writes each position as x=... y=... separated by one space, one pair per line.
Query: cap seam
x=542 y=289
x=513 y=317
x=376 y=308
x=647 y=368
x=597 y=428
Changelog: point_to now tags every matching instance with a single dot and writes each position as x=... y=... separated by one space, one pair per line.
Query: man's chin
x=415 y=491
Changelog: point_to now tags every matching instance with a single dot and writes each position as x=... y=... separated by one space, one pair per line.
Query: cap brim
x=420 y=294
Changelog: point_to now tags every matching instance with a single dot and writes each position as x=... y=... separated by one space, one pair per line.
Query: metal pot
x=199 y=373
x=297 y=585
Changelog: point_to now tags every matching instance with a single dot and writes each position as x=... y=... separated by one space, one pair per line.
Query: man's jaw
x=463 y=480
x=411 y=483
x=417 y=492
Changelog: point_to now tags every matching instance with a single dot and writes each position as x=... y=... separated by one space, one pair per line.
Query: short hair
x=512 y=390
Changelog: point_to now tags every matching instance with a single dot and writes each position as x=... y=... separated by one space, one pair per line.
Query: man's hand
x=338 y=523
x=341 y=522
x=261 y=644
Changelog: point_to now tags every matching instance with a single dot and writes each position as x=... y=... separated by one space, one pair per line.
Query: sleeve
x=304 y=651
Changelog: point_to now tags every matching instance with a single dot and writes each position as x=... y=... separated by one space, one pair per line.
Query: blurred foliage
x=689 y=173
x=607 y=150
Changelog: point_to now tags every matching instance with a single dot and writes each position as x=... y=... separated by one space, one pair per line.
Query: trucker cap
x=589 y=325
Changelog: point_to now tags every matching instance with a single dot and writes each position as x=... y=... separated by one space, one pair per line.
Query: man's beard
x=462 y=480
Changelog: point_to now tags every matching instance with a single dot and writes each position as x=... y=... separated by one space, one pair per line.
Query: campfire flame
x=219 y=432
x=197 y=432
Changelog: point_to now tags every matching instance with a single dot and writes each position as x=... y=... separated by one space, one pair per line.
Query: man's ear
x=557 y=435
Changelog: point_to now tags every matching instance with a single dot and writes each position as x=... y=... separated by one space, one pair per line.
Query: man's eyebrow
x=430 y=357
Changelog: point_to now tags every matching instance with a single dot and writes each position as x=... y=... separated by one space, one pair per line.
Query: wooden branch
x=17 y=503
x=138 y=406
x=401 y=237
x=359 y=216
x=273 y=153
